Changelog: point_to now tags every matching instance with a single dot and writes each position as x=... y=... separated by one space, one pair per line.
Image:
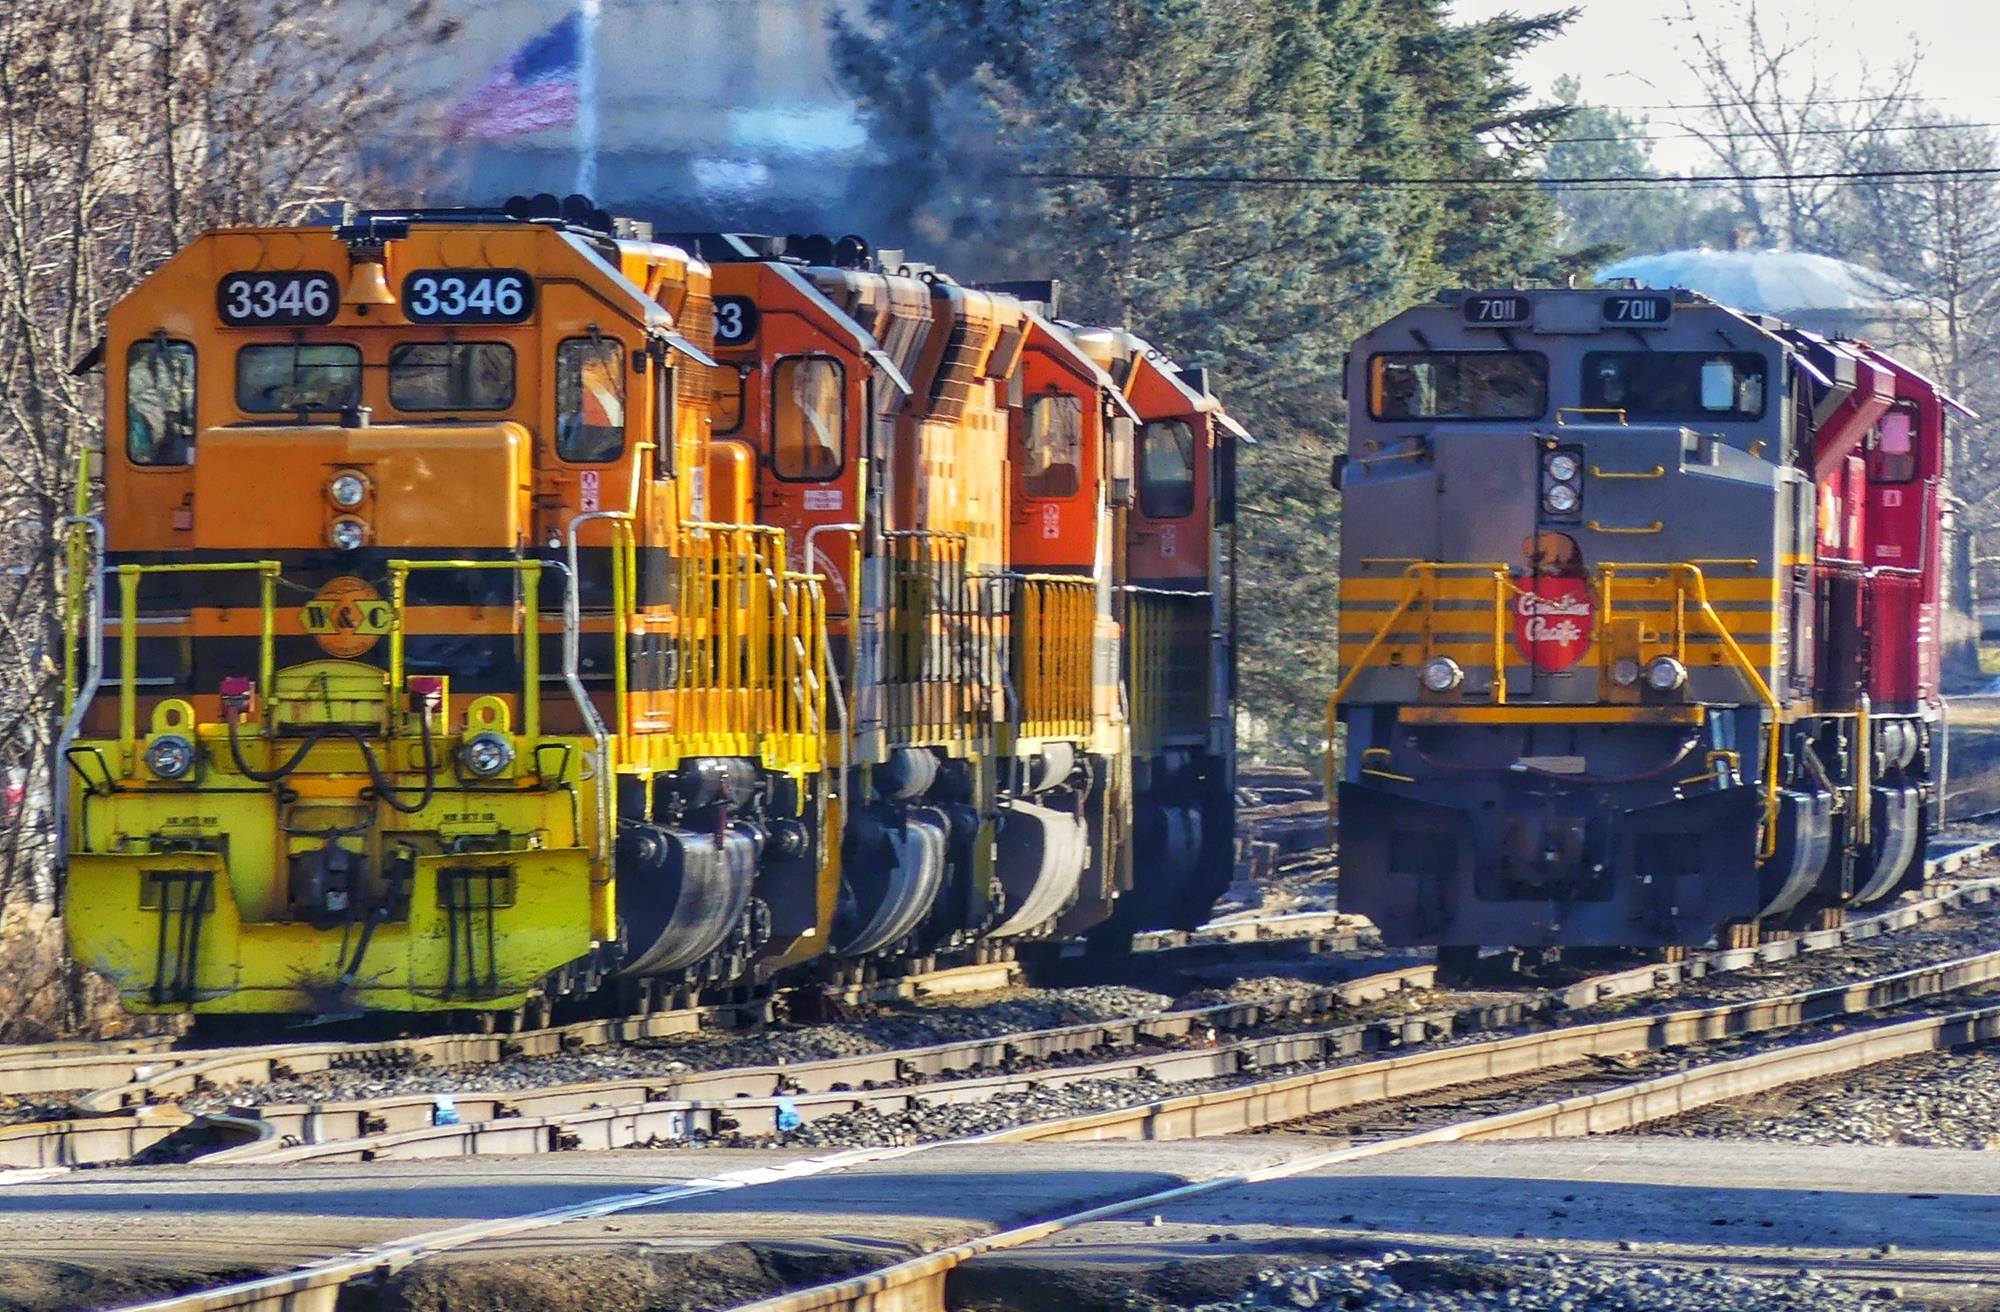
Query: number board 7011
x=1638 y=311
x=468 y=296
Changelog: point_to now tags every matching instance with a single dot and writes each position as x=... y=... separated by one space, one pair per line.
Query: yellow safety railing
x=749 y=662
x=1689 y=598
x=1420 y=585
x=938 y=652
x=1690 y=585
x=267 y=572
x=1054 y=631
x=530 y=631
x=1168 y=638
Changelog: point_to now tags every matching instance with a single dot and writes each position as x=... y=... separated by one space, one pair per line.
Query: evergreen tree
x=1132 y=147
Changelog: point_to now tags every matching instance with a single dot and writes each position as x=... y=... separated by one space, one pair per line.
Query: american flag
x=534 y=88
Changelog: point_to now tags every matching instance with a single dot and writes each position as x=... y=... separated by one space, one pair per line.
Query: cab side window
x=159 y=402
x=1052 y=454
x=1892 y=448
x=590 y=400
x=1166 y=469
x=808 y=412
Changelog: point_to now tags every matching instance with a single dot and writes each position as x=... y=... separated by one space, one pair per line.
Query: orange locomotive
x=499 y=603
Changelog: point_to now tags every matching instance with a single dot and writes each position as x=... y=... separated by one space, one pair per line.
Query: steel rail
x=917 y=1285
x=131 y=1072
x=623 y=1112
x=626 y=1114
x=588 y=1114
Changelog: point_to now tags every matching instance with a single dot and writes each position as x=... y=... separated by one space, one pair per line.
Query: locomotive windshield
x=1054 y=457
x=275 y=379
x=808 y=411
x=1674 y=384
x=1458 y=385
x=451 y=376
x=590 y=400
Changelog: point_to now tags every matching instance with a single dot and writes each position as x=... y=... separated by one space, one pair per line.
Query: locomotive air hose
x=387 y=791
x=268 y=776
x=383 y=788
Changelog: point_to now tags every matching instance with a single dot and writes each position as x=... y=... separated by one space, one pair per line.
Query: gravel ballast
x=1943 y=1100
x=1399 y=1282
x=889 y=1029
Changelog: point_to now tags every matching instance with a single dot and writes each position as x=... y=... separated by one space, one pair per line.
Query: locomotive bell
x=367 y=285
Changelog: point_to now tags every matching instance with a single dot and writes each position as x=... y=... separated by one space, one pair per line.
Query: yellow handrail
x=1683 y=574
x=1690 y=585
x=128 y=631
x=531 y=627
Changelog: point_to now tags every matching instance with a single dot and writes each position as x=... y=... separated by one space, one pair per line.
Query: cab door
x=1056 y=491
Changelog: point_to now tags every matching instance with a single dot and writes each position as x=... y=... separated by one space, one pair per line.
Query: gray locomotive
x=1638 y=622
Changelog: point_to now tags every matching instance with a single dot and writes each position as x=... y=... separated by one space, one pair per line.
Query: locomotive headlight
x=1664 y=674
x=170 y=756
x=347 y=490
x=347 y=534
x=1561 y=498
x=1442 y=674
x=486 y=754
x=1564 y=467
x=1625 y=671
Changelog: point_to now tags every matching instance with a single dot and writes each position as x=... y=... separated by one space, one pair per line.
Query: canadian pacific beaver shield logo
x=1554 y=612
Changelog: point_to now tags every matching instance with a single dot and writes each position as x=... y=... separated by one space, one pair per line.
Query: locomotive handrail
x=1689 y=583
x=531 y=642
x=600 y=736
x=76 y=702
x=834 y=683
x=268 y=572
x=1685 y=573
x=1590 y=410
x=1414 y=570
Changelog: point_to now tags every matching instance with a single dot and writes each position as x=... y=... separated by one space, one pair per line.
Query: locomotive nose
x=390 y=486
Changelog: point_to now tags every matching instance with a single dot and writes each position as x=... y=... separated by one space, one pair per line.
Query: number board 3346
x=277 y=297
x=468 y=296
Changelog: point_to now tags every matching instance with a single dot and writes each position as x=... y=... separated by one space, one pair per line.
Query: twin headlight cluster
x=484 y=755
x=1662 y=673
x=347 y=491
x=1562 y=483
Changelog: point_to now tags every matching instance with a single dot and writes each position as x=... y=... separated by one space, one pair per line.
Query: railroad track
x=1377 y=1100
x=123 y=1073
x=116 y=1074
x=757 y=1103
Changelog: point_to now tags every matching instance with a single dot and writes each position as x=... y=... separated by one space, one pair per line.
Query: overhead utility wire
x=1631 y=179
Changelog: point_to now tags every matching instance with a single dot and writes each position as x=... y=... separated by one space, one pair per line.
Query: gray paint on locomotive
x=1559 y=830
